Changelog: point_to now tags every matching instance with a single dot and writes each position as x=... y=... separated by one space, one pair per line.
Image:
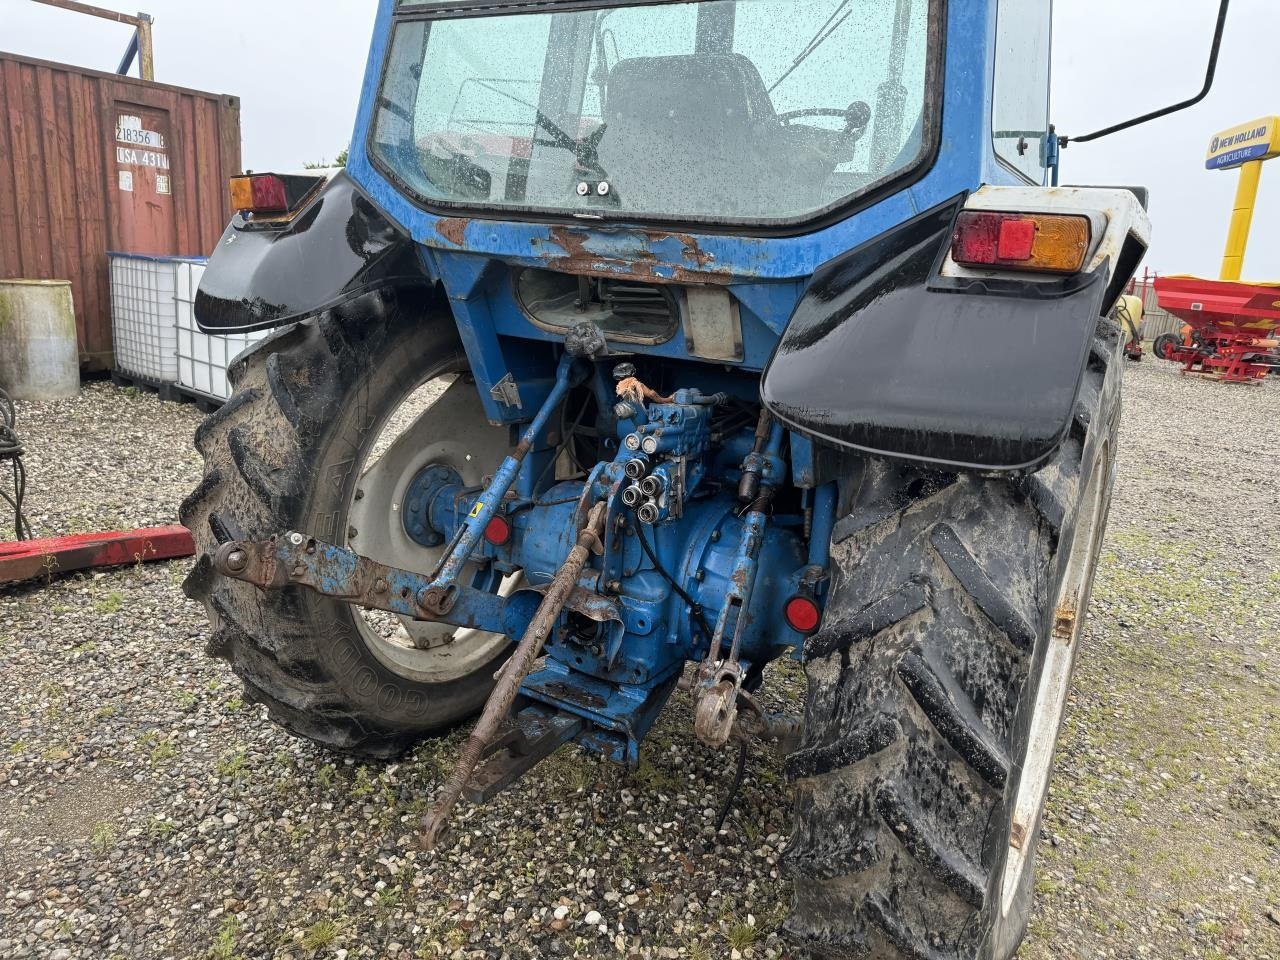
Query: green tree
x=339 y=161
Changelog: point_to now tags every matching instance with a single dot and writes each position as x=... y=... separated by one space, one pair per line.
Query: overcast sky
x=297 y=66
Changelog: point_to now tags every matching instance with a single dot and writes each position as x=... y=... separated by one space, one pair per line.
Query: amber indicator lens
x=1050 y=243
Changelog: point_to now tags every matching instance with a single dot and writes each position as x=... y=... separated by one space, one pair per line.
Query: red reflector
x=498 y=531
x=1017 y=237
x=802 y=614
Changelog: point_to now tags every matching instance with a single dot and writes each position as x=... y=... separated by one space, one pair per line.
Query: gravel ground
x=146 y=812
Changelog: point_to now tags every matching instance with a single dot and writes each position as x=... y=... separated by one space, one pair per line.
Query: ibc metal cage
x=144 y=316
x=156 y=337
x=203 y=358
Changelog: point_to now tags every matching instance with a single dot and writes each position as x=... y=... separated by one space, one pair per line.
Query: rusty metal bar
x=513 y=674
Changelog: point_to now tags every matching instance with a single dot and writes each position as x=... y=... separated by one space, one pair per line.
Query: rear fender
x=337 y=247
x=896 y=351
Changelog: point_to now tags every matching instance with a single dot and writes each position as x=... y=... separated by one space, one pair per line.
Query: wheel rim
x=1069 y=608
x=441 y=422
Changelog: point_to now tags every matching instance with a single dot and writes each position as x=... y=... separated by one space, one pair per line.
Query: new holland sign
x=1259 y=140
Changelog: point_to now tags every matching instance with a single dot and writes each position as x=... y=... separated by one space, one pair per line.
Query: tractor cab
x=702 y=118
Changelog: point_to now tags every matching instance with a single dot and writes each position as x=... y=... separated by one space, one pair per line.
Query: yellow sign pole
x=1241 y=220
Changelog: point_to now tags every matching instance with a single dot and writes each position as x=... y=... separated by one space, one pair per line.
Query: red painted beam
x=30 y=559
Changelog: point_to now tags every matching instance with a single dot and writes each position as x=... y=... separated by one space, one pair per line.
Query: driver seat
x=682 y=132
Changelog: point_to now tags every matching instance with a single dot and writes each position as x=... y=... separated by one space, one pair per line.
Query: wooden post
x=146 y=58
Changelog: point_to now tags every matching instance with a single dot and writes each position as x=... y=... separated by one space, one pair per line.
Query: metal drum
x=39 y=359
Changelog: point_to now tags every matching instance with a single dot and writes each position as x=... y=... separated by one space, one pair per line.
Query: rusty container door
x=146 y=220
x=91 y=162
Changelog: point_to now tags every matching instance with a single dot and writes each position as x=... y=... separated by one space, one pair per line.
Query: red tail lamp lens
x=498 y=531
x=259 y=193
x=1017 y=237
x=1052 y=243
x=802 y=614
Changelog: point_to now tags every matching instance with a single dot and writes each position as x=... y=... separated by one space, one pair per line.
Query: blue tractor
x=644 y=344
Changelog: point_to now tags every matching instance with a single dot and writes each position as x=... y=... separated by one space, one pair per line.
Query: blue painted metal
x=339 y=572
x=620 y=715
x=700 y=551
x=415 y=510
x=824 y=523
x=1052 y=155
x=484 y=508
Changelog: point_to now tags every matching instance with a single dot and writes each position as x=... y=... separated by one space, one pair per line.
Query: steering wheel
x=856 y=116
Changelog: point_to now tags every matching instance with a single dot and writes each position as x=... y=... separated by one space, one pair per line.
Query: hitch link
x=513 y=674
x=720 y=678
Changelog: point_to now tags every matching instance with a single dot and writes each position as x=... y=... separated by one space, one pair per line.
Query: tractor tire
x=1164 y=345
x=936 y=686
x=285 y=453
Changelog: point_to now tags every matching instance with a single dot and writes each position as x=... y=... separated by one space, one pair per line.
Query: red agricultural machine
x=1230 y=328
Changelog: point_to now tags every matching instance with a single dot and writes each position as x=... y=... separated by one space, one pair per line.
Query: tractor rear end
x=639 y=347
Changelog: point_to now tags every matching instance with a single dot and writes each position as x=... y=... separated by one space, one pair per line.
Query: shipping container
x=91 y=162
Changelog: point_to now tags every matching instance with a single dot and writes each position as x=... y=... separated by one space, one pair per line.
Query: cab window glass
x=1020 y=107
x=689 y=111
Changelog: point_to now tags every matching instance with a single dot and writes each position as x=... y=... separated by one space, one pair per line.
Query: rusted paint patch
x=642 y=265
x=570 y=694
x=453 y=229
x=692 y=251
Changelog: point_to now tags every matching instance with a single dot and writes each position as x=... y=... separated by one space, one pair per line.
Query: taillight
x=1051 y=243
x=802 y=614
x=259 y=193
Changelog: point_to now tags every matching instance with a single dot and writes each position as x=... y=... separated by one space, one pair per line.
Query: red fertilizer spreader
x=1230 y=328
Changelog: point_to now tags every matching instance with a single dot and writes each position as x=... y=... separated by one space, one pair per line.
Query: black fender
x=883 y=356
x=338 y=247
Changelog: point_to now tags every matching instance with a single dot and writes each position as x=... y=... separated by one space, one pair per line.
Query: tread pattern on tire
x=941 y=586
x=256 y=449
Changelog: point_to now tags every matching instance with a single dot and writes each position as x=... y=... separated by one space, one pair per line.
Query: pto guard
x=897 y=351
x=337 y=248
